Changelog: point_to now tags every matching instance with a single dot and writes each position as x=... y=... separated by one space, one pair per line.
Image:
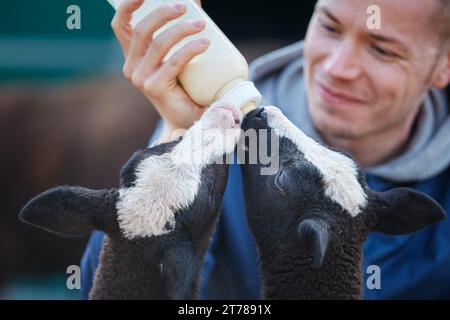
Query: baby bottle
x=221 y=72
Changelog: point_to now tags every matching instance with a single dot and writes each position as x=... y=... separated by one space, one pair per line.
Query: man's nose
x=343 y=63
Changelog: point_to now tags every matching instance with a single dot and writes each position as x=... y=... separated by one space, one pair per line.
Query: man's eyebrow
x=328 y=14
x=382 y=38
x=374 y=36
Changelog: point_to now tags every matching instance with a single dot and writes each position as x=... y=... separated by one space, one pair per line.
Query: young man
x=379 y=94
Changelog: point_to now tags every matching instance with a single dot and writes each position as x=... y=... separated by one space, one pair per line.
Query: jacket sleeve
x=89 y=262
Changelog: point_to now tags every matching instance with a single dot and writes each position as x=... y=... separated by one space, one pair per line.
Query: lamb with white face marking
x=159 y=222
x=310 y=220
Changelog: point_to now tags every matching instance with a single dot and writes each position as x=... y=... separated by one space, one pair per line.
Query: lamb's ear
x=404 y=210
x=314 y=235
x=72 y=211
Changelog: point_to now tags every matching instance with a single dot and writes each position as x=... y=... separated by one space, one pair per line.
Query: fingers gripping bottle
x=221 y=72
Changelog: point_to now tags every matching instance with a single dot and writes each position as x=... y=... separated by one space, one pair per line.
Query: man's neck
x=375 y=149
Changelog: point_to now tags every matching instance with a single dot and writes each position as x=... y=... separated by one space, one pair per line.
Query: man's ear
x=442 y=78
x=72 y=211
x=404 y=210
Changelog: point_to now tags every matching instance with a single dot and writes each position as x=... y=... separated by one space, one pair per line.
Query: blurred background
x=67 y=116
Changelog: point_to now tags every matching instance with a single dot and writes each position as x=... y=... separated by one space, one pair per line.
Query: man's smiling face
x=363 y=81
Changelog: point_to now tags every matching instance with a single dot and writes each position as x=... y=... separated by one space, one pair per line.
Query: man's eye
x=386 y=53
x=328 y=28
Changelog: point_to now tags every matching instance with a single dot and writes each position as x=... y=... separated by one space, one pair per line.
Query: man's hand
x=144 y=65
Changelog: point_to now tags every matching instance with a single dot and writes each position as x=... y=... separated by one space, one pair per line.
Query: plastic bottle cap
x=243 y=95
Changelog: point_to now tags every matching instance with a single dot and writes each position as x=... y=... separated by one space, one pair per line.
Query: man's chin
x=335 y=128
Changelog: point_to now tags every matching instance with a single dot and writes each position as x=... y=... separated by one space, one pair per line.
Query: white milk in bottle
x=220 y=72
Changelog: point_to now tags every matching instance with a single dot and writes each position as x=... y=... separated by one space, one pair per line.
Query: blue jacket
x=412 y=266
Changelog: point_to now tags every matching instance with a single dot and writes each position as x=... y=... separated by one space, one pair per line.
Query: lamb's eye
x=280 y=181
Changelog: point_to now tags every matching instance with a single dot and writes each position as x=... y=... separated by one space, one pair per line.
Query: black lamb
x=311 y=218
x=159 y=222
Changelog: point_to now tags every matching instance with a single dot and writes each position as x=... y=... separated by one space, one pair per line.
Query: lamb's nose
x=258 y=112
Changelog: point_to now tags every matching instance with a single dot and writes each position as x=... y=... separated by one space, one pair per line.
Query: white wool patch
x=148 y=208
x=168 y=183
x=339 y=172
